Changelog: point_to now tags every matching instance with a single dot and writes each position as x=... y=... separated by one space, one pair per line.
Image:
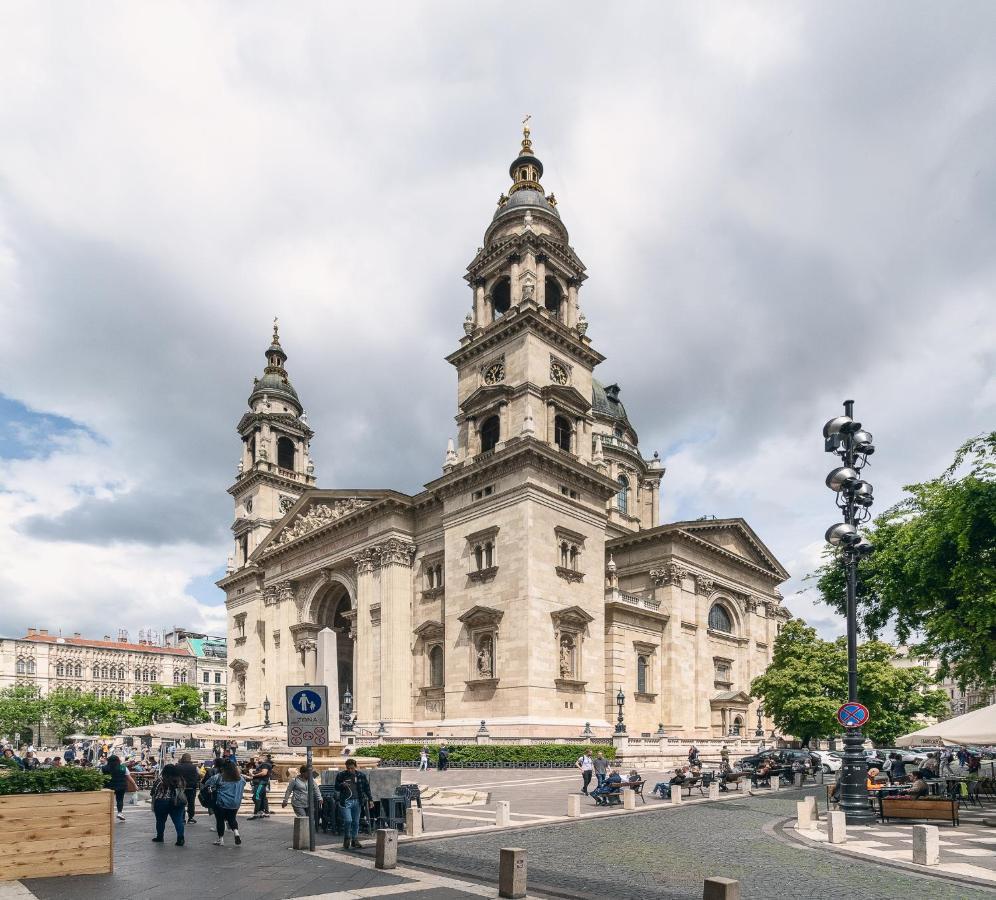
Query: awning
x=976 y=728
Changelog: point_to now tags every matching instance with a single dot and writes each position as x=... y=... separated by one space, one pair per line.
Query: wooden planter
x=56 y=834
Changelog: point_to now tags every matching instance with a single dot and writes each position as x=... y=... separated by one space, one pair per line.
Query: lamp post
x=620 y=724
x=845 y=438
x=346 y=716
x=266 y=712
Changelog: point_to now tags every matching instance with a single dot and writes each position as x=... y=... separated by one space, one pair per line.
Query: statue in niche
x=567 y=656
x=485 y=658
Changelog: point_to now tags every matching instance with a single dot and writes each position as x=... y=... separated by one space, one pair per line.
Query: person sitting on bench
x=611 y=785
x=763 y=772
x=726 y=774
x=918 y=789
x=663 y=788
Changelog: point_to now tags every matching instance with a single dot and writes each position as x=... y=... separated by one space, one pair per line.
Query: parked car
x=783 y=757
x=830 y=760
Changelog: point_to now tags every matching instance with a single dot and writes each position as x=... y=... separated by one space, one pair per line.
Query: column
x=515 y=289
x=541 y=279
x=396 y=630
x=364 y=674
x=479 y=303
x=551 y=414
x=571 y=315
x=506 y=425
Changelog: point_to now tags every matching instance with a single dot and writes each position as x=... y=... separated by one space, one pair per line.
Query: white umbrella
x=975 y=728
x=160 y=730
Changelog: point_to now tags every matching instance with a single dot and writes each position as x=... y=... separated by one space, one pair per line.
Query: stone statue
x=566 y=657
x=484 y=666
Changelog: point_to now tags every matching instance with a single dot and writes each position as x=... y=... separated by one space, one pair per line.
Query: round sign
x=852 y=715
x=306 y=702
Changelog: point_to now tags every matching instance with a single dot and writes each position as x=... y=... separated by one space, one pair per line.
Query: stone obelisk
x=328 y=674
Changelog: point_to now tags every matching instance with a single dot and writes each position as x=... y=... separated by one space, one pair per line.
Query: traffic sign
x=307 y=715
x=852 y=715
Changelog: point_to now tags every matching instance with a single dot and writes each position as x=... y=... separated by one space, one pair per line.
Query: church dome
x=523 y=198
x=275 y=383
x=605 y=401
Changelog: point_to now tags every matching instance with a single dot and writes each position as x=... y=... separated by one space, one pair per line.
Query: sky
x=781 y=206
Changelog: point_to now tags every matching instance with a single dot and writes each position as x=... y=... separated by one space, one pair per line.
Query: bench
x=613 y=797
x=695 y=781
x=908 y=808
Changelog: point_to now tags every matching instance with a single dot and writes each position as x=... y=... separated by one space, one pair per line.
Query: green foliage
x=69 y=712
x=22 y=708
x=45 y=781
x=489 y=754
x=933 y=572
x=181 y=703
x=807 y=682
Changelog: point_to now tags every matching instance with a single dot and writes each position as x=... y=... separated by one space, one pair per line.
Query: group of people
x=443 y=758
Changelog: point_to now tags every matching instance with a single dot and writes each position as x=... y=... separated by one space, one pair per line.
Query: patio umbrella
x=975 y=728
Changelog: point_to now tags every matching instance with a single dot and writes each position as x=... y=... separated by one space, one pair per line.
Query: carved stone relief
x=318 y=515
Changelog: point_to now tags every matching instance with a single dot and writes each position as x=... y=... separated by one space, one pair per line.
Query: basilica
x=531 y=582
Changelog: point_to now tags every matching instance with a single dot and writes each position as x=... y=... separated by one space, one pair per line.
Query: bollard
x=803 y=816
x=721 y=889
x=713 y=790
x=926 y=845
x=413 y=821
x=629 y=799
x=798 y=779
x=836 y=827
x=676 y=795
x=301 y=833
x=512 y=872
x=503 y=815
x=387 y=848
x=814 y=812
x=775 y=782
x=573 y=805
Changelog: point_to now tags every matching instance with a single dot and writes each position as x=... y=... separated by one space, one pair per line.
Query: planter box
x=56 y=834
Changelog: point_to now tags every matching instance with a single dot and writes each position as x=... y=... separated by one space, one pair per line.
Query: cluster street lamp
x=759 y=732
x=620 y=724
x=266 y=712
x=844 y=437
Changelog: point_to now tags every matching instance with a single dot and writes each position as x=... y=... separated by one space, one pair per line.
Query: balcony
x=610 y=440
x=614 y=595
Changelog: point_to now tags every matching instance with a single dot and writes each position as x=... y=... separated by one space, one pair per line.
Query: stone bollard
x=775 y=782
x=573 y=805
x=413 y=821
x=713 y=790
x=676 y=795
x=503 y=815
x=301 y=841
x=387 y=848
x=926 y=845
x=512 y=872
x=803 y=816
x=721 y=889
x=798 y=779
x=836 y=827
x=814 y=812
x=629 y=799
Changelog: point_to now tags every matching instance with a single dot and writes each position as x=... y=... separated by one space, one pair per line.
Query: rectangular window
x=206 y=678
x=206 y=696
x=483 y=492
x=217 y=696
x=217 y=678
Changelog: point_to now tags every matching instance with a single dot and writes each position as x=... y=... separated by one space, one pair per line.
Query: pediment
x=573 y=616
x=726 y=697
x=477 y=616
x=312 y=511
x=430 y=629
x=735 y=536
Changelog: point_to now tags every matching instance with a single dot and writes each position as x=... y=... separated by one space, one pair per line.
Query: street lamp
x=844 y=437
x=346 y=715
x=266 y=712
x=760 y=728
x=620 y=724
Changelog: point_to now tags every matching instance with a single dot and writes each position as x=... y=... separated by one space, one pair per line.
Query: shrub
x=45 y=781
x=488 y=754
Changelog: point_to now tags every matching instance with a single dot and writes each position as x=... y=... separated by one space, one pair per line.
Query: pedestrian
x=8 y=753
x=169 y=801
x=600 y=765
x=352 y=788
x=444 y=758
x=297 y=792
x=423 y=760
x=70 y=755
x=191 y=778
x=261 y=787
x=587 y=766
x=229 y=786
x=946 y=760
x=693 y=756
x=962 y=757
x=724 y=755
x=117 y=781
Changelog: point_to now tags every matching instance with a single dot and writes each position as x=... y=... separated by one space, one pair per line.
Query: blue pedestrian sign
x=307 y=715
x=852 y=715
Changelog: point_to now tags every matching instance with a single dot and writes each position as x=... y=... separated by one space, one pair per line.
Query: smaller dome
x=271 y=383
x=524 y=198
x=605 y=401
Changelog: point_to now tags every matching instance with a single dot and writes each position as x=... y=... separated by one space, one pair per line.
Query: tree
x=70 y=712
x=807 y=682
x=167 y=704
x=22 y=709
x=933 y=570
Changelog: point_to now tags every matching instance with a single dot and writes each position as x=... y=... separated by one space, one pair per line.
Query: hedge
x=463 y=755
x=45 y=781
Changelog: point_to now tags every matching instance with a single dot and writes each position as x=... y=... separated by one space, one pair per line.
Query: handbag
x=130 y=786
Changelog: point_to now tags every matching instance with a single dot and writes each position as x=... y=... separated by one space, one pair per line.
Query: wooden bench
x=908 y=808
x=614 y=797
x=695 y=781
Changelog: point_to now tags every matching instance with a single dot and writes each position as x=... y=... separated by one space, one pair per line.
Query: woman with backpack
x=169 y=801
x=229 y=787
x=117 y=781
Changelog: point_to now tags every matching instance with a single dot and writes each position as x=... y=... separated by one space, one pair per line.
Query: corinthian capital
x=305 y=645
x=366 y=560
x=704 y=584
x=671 y=573
x=397 y=553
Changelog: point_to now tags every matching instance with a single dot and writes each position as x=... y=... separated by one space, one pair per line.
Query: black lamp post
x=266 y=712
x=760 y=728
x=844 y=437
x=346 y=714
x=620 y=701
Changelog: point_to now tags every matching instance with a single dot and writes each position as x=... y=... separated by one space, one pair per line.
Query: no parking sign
x=852 y=715
x=307 y=715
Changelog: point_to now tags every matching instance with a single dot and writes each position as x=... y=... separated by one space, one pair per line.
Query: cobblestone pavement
x=668 y=854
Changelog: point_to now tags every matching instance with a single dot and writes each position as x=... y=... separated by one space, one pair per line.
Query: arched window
x=21 y=667
x=562 y=432
x=565 y=555
x=103 y=672
x=738 y=725
x=552 y=297
x=121 y=696
x=436 y=666
x=31 y=667
x=285 y=453
x=489 y=555
x=622 y=498
x=641 y=674
x=121 y=673
x=152 y=675
x=183 y=678
x=619 y=432
x=60 y=670
x=79 y=670
x=176 y=676
x=490 y=434
x=719 y=619
x=439 y=575
x=501 y=296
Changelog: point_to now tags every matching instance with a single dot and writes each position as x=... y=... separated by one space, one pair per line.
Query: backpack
x=207 y=795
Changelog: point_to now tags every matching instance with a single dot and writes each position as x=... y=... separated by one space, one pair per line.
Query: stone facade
x=532 y=580
x=210 y=654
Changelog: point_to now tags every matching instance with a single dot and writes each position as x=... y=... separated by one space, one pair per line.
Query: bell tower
x=275 y=466
x=525 y=362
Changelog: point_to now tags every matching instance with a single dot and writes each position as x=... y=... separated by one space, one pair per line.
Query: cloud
x=779 y=206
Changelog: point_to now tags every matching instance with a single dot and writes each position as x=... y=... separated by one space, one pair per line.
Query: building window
x=501 y=296
x=60 y=670
x=121 y=695
x=217 y=717
x=553 y=296
x=436 y=666
x=207 y=678
x=622 y=498
x=176 y=676
x=738 y=725
x=285 y=453
x=217 y=677
x=642 y=667
x=562 y=433
x=719 y=619
x=490 y=434
x=79 y=670
x=206 y=697
x=217 y=696
x=21 y=667
x=240 y=626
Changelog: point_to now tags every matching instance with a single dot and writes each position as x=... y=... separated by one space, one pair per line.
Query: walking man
x=587 y=766
x=601 y=766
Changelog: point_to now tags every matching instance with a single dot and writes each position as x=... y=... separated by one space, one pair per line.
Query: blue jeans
x=662 y=788
x=600 y=778
x=350 y=818
x=164 y=809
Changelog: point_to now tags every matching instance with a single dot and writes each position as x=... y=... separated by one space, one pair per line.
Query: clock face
x=494 y=373
x=558 y=374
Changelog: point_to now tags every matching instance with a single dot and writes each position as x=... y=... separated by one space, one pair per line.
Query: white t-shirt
x=585 y=762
